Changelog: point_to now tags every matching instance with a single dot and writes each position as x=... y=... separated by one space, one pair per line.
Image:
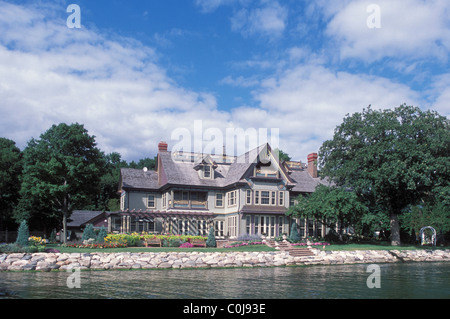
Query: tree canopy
x=62 y=170
x=390 y=158
x=10 y=171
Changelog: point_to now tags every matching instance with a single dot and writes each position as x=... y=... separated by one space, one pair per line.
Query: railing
x=189 y=204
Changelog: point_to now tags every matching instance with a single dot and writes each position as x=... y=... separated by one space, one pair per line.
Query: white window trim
x=270 y=199
x=223 y=200
x=154 y=201
x=281 y=198
x=229 y=198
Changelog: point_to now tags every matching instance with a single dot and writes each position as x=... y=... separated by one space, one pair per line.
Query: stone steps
x=293 y=250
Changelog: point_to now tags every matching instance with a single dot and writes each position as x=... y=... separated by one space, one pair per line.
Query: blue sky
x=138 y=70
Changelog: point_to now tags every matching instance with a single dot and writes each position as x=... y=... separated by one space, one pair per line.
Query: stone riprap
x=151 y=260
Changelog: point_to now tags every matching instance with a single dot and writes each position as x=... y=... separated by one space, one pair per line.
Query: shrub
x=211 y=241
x=23 y=234
x=88 y=233
x=186 y=245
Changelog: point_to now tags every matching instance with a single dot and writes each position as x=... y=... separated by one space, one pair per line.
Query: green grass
x=253 y=248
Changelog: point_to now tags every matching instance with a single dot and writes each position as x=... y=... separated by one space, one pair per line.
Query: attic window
x=207 y=171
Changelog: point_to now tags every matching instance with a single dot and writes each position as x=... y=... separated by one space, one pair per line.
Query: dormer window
x=207 y=171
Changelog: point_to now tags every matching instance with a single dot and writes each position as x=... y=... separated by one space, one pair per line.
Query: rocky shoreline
x=183 y=260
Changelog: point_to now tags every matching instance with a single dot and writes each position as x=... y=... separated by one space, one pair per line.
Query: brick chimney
x=162 y=147
x=312 y=165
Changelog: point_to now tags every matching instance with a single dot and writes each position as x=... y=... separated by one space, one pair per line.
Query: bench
x=198 y=242
x=152 y=241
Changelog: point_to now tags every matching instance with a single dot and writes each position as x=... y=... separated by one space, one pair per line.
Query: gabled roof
x=175 y=169
x=82 y=217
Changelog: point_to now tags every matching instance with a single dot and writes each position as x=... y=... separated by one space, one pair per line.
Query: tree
x=101 y=235
x=23 y=234
x=282 y=156
x=390 y=158
x=62 y=171
x=88 y=233
x=330 y=205
x=211 y=241
x=294 y=236
x=10 y=171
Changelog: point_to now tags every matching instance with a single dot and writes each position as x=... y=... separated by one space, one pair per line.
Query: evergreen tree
x=101 y=235
x=88 y=233
x=294 y=237
x=23 y=234
x=211 y=241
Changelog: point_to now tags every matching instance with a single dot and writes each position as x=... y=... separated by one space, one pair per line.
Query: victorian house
x=188 y=193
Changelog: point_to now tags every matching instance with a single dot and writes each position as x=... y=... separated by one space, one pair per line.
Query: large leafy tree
x=62 y=172
x=330 y=205
x=10 y=170
x=390 y=158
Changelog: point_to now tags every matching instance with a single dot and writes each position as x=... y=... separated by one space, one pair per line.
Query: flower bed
x=96 y=246
x=136 y=239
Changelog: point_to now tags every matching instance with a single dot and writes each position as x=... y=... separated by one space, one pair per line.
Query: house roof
x=81 y=217
x=305 y=183
x=179 y=169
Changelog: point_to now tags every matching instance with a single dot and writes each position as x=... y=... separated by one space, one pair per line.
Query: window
x=272 y=226
x=256 y=197
x=218 y=228
x=265 y=198
x=151 y=203
x=219 y=200
x=232 y=201
x=248 y=200
x=273 y=199
x=122 y=202
x=207 y=171
x=164 y=200
x=248 y=224
x=280 y=225
x=281 y=199
x=232 y=226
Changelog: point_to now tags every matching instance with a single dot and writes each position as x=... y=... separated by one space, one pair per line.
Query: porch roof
x=263 y=210
x=166 y=214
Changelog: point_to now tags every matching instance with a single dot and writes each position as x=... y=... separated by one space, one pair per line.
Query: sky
x=137 y=71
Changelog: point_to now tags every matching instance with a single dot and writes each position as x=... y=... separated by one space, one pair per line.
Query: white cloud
x=409 y=29
x=114 y=87
x=308 y=101
x=268 y=20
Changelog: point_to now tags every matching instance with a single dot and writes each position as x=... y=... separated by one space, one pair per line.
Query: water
x=409 y=280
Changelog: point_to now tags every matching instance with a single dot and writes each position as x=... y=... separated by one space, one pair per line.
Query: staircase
x=294 y=251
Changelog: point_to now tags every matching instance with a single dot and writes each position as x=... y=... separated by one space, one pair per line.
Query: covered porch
x=161 y=222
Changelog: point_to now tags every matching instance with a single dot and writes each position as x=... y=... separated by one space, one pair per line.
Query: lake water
x=407 y=280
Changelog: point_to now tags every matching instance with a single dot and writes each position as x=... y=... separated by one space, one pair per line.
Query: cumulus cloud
x=408 y=28
x=51 y=74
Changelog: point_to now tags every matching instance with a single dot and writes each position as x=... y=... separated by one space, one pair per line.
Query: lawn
x=256 y=248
